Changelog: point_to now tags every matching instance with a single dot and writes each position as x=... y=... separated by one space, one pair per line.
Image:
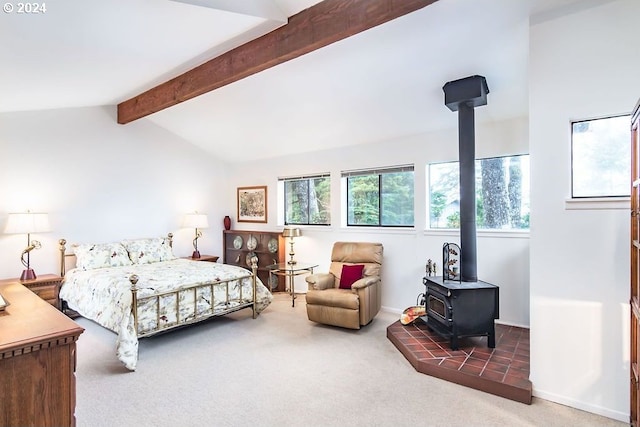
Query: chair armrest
x=364 y=282
x=320 y=281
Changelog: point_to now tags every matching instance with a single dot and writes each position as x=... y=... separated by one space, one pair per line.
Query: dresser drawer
x=45 y=292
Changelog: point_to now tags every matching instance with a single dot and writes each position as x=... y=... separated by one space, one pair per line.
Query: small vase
x=227 y=223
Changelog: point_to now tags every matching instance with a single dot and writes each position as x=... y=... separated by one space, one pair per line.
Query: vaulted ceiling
x=380 y=84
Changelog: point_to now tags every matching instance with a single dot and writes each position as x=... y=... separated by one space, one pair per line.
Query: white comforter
x=104 y=296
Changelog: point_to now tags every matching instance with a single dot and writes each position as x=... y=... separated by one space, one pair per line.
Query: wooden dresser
x=37 y=361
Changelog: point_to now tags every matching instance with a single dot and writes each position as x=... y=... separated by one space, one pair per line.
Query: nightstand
x=210 y=258
x=46 y=286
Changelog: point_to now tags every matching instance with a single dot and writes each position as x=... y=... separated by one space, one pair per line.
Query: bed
x=138 y=288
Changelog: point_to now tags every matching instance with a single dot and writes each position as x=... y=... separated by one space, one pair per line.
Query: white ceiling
x=378 y=85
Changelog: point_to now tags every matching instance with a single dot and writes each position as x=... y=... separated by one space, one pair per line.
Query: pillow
x=146 y=251
x=350 y=274
x=92 y=256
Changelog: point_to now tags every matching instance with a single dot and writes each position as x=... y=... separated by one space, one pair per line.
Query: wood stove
x=465 y=306
x=461 y=309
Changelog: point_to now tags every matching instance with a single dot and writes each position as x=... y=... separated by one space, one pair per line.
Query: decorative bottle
x=227 y=223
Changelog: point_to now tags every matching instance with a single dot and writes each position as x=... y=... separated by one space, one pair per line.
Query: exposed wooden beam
x=320 y=25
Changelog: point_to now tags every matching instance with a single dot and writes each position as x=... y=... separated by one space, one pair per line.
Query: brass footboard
x=230 y=305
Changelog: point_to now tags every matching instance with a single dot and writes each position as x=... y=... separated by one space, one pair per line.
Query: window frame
x=517 y=231
x=587 y=198
x=307 y=178
x=345 y=175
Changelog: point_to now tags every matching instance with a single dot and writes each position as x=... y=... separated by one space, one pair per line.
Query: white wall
x=503 y=259
x=583 y=65
x=101 y=181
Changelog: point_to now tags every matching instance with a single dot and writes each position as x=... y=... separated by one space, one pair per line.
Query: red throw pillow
x=350 y=274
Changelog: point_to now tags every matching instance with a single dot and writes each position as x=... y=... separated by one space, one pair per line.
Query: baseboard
x=500 y=322
x=391 y=310
x=598 y=410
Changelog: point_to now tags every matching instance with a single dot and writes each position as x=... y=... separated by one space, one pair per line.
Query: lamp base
x=28 y=274
x=195 y=254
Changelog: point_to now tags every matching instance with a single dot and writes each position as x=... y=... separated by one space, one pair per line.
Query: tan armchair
x=349 y=308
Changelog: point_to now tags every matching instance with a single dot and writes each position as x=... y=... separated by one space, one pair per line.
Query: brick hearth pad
x=503 y=371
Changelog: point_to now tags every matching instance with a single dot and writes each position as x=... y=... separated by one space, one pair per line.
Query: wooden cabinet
x=267 y=246
x=634 y=299
x=46 y=286
x=37 y=361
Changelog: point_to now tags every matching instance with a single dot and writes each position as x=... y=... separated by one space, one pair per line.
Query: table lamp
x=27 y=223
x=197 y=221
x=291 y=233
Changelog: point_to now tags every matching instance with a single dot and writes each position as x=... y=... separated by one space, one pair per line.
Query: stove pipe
x=463 y=96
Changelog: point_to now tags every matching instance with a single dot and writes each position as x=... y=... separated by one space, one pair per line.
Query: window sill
x=378 y=230
x=507 y=234
x=595 y=203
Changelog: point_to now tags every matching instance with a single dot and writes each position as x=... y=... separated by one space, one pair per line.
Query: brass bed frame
x=66 y=259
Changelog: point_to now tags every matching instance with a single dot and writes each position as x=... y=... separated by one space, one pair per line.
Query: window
x=307 y=200
x=600 y=157
x=502 y=193
x=380 y=197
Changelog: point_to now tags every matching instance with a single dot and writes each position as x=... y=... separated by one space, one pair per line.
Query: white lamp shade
x=25 y=223
x=195 y=220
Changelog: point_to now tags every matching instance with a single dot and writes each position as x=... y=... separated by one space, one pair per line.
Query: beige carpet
x=282 y=370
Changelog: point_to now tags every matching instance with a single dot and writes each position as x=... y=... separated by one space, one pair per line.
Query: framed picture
x=252 y=204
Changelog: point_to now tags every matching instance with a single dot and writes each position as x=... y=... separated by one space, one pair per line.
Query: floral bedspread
x=104 y=296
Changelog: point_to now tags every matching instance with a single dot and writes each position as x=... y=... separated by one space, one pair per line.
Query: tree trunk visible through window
x=297 y=202
x=515 y=192
x=307 y=200
x=494 y=193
